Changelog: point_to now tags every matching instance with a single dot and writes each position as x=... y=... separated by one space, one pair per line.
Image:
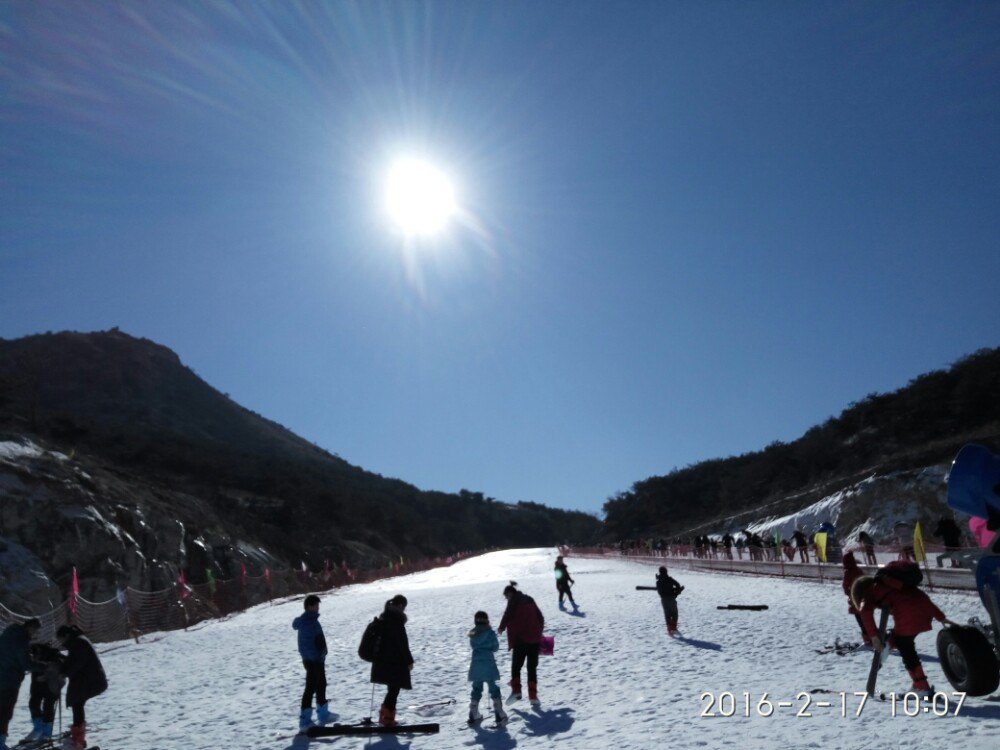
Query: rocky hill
x=118 y=459
x=886 y=451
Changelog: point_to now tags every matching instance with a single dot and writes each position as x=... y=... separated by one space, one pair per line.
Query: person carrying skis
x=15 y=661
x=896 y=586
x=46 y=685
x=563 y=581
x=669 y=590
x=312 y=649
x=86 y=680
x=483 y=668
x=524 y=624
x=852 y=573
x=393 y=661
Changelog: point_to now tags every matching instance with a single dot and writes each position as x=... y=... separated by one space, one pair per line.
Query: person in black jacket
x=86 y=679
x=668 y=589
x=15 y=661
x=393 y=661
x=947 y=530
x=563 y=581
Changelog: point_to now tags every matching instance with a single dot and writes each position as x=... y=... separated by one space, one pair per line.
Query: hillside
x=118 y=425
x=899 y=434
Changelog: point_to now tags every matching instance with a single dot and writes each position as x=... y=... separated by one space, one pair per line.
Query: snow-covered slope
x=616 y=680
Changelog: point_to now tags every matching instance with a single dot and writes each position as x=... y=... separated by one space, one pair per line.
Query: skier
x=895 y=587
x=669 y=590
x=869 y=546
x=45 y=687
x=563 y=581
x=483 y=668
x=802 y=545
x=393 y=661
x=947 y=530
x=524 y=623
x=15 y=660
x=86 y=680
x=312 y=649
x=852 y=573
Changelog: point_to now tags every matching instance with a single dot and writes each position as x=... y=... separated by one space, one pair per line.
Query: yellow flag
x=820 y=540
x=918 y=544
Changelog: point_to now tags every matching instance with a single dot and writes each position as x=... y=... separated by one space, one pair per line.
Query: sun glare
x=419 y=197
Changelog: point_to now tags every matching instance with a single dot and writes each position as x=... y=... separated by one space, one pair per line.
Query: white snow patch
x=616 y=679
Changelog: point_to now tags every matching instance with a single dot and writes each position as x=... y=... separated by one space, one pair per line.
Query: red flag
x=182 y=586
x=243 y=574
x=74 y=593
x=267 y=577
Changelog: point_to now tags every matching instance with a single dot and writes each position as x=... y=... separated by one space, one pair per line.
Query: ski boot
x=533 y=694
x=474 y=714
x=515 y=692
x=45 y=734
x=387 y=716
x=77 y=739
x=498 y=713
x=323 y=715
x=921 y=686
x=306 y=719
x=35 y=734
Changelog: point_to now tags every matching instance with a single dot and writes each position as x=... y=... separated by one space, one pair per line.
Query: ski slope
x=616 y=679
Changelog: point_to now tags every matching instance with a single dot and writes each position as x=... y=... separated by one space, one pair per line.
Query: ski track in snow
x=616 y=680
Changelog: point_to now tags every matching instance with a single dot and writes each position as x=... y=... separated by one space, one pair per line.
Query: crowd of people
x=79 y=670
x=796 y=545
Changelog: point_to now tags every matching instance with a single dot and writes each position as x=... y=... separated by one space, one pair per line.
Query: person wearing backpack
x=483 y=668
x=312 y=649
x=524 y=624
x=896 y=586
x=392 y=660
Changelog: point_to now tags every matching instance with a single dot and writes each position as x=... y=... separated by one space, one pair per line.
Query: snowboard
x=879 y=656
x=352 y=729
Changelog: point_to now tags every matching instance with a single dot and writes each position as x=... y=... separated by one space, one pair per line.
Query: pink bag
x=547 y=645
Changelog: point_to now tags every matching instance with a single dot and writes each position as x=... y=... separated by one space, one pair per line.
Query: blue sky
x=690 y=228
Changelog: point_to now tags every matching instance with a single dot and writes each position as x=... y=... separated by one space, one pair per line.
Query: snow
x=616 y=679
x=10 y=450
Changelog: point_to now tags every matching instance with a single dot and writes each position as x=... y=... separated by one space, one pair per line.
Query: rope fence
x=133 y=613
x=779 y=565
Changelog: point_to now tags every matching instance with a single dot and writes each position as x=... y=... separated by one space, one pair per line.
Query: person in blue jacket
x=15 y=661
x=483 y=668
x=312 y=649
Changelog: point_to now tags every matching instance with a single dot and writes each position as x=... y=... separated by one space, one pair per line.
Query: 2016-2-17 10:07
x=727 y=704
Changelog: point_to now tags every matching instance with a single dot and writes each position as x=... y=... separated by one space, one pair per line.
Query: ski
x=346 y=729
x=436 y=704
x=879 y=656
x=751 y=607
x=645 y=588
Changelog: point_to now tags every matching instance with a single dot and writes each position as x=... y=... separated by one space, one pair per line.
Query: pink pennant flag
x=267 y=577
x=243 y=574
x=74 y=592
x=182 y=586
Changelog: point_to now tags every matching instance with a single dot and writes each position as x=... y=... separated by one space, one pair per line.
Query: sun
x=419 y=197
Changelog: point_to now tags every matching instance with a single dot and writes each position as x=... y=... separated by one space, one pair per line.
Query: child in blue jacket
x=483 y=668
x=312 y=649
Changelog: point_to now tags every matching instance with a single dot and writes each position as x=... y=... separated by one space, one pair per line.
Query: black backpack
x=907 y=573
x=371 y=639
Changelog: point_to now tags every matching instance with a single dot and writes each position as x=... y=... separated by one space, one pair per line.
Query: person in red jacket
x=852 y=573
x=524 y=623
x=912 y=611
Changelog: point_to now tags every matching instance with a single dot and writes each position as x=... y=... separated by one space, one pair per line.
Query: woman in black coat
x=393 y=660
x=86 y=678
